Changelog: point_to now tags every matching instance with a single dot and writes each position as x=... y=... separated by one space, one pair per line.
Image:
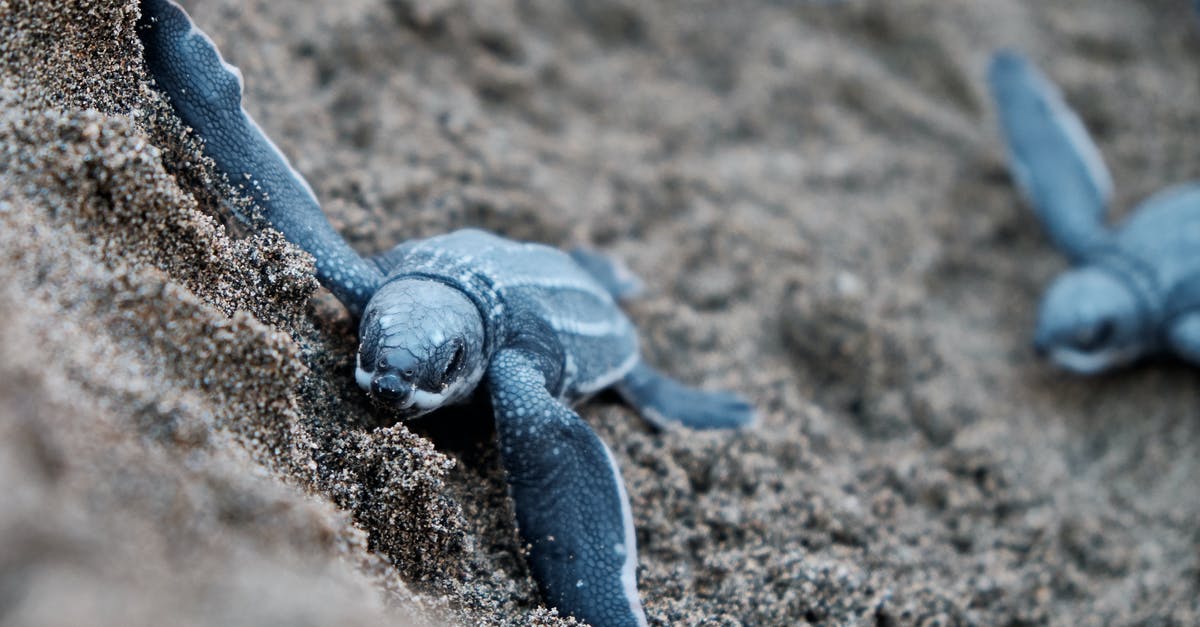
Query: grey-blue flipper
x=608 y=272
x=570 y=501
x=662 y=400
x=1053 y=160
x=206 y=93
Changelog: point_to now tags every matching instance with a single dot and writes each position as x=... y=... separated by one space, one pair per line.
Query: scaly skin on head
x=421 y=346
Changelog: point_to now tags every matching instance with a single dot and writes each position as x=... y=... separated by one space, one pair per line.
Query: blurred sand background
x=815 y=196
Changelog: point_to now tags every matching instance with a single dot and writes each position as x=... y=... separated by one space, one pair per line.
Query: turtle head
x=1091 y=321
x=421 y=346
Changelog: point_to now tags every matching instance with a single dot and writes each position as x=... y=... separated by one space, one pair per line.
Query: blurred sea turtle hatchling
x=1134 y=289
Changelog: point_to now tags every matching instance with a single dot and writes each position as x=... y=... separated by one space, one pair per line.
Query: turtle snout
x=390 y=388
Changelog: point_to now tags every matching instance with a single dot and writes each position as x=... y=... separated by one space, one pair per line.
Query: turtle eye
x=455 y=361
x=1096 y=336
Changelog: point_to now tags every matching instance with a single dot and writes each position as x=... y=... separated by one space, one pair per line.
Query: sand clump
x=815 y=197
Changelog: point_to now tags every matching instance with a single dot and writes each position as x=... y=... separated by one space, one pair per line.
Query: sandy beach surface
x=815 y=195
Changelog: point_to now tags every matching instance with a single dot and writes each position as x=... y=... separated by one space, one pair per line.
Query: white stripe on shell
x=602 y=328
x=553 y=282
x=610 y=377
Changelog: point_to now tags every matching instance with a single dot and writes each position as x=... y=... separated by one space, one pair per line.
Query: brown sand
x=815 y=196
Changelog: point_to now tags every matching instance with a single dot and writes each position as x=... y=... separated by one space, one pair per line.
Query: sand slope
x=815 y=196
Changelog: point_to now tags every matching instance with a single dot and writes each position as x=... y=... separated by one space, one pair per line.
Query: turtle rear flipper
x=610 y=273
x=1054 y=162
x=206 y=93
x=662 y=400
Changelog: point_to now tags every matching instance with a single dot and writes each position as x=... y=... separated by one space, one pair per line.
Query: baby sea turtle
x=538 y=328
x=1134 y=290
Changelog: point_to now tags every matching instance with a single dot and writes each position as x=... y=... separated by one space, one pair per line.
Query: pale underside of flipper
x=206 y=93
x=1054 y=162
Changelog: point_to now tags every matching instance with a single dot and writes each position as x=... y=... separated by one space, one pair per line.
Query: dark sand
x=815 y=196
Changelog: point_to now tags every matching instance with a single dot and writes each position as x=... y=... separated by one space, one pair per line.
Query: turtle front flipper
x=570 y=501
x=1053 y=160
x=662 y=400
x=206 y=93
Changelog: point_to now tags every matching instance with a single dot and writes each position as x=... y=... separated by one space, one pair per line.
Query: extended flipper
x=662 y=400
x=1053 y=160
x=570 y=502
x=206 y=93
x=622 y=283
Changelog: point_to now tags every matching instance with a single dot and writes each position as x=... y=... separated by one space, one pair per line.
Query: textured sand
x=812 y=191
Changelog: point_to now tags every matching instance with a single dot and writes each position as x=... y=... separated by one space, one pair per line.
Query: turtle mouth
x=390 y=390
x=414 y=402
x=425 y=401
x=418 y=403
x=1092 y=362
x=410 y=400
